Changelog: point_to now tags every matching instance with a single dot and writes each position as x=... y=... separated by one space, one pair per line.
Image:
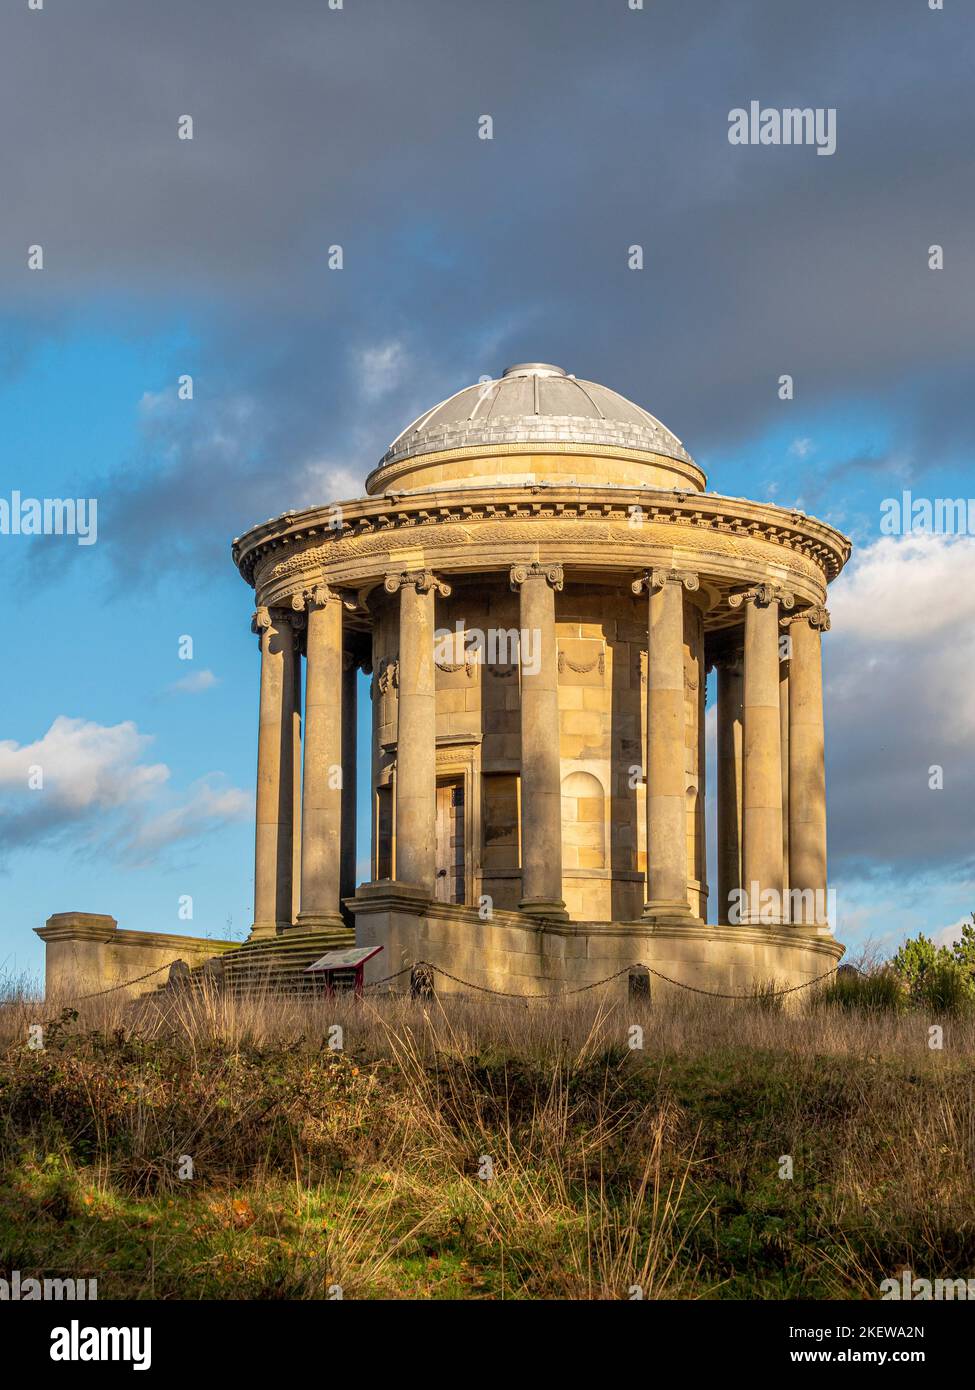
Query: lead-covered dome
x=535 y=402
x=524 y=422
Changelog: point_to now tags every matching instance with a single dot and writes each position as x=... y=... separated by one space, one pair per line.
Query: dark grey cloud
x=900 y=703
x=358 y=126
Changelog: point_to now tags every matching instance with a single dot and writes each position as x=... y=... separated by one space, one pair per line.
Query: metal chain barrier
x=373 y=984
x=507 y=994
x=766 y=994
x=124 y=985
x=638 y=965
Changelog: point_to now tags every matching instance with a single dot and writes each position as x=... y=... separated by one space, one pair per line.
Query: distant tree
x=964 y=949
x=936 y=976
x=917 y=958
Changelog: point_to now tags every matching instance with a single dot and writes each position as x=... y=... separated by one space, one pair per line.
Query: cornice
x=379 y=523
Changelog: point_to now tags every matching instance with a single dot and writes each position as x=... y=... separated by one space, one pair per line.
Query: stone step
x=276 y=964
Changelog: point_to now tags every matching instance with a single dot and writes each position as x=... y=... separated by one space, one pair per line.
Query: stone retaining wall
x=517 y=954
x=86 y=953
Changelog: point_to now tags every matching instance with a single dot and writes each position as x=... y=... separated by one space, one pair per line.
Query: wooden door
x=451 y=887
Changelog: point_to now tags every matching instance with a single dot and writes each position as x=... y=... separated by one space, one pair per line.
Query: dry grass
x=465 y=1148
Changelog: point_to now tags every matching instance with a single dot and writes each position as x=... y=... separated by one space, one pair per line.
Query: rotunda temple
x=537 y=583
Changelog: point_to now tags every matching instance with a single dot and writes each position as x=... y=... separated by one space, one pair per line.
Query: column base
x=317 y=921
x=265 y=931
x=544 y=907
x=669 y=908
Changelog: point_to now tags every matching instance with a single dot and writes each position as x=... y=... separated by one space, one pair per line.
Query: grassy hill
x=471 y=1149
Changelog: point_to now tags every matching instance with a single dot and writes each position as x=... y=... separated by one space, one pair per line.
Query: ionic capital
x=816 y=616
x=657 y=578
x=260 y=621
x=265 y=619
x=762 y=595
x=554 y=574
x=319 y=597
x=421 y=580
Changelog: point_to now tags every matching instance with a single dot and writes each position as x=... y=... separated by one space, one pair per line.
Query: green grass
x=612 y=1168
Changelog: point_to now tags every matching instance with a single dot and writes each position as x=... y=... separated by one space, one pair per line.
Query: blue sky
x=359 y=128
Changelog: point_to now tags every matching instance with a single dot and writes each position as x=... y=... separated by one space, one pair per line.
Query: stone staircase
x=271 y=965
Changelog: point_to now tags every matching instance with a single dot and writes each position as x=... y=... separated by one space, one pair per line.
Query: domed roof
x=535 y=402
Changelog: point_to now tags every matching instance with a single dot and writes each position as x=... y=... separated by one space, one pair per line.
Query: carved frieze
x=583 y=668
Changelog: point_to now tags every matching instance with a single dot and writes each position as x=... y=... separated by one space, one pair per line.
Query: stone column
x=273 y=862
x=807 y=771
x=541 y=760
x=350 y=675
x=324 y=773
x=784 y=746
x=416 y=733
x=730 y=672
x=667 y=867
x=298 y=624
x=762 y=858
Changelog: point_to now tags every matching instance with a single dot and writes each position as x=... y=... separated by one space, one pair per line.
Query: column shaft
x=274 y=820
x=807 y=771
x=784 y=756
x=296 y=753
x=762 y=861
x=729 y=782
x=324 y=773
x=416 y=734
x=349 y=730
x=667 y=865
x=541 y=762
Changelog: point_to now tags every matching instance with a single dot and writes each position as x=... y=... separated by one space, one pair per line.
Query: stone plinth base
x=514 y=953
x=87 y=953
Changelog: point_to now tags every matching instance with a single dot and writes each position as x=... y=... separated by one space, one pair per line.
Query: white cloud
x=209 y=803
x=904 y=588
x=947 y=936
x=801 y=448
x=324 y=480
x=194 y=683
x=93 y=791
x=381 y=369
x=84 y=766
